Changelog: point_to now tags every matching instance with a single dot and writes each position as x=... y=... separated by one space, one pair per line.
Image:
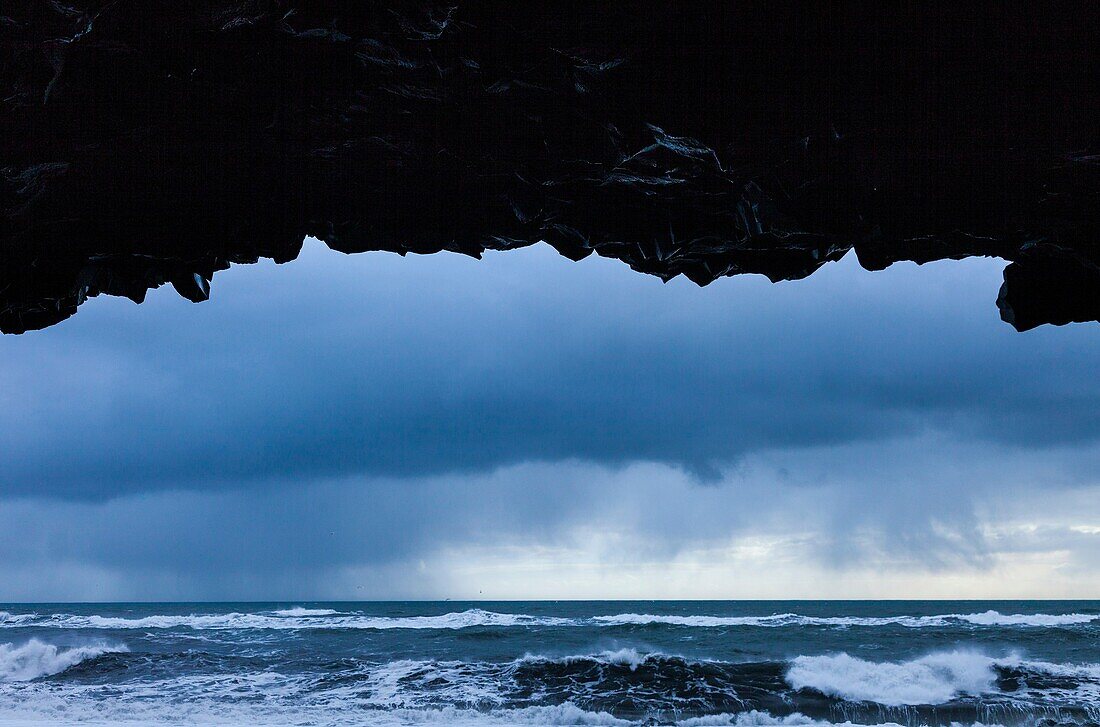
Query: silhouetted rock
x=156 y=142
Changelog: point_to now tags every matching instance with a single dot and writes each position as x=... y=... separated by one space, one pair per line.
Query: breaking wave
x=15 y=619
x=933 y=679
x=36 y=659
x=299 y=611
x=630 y=658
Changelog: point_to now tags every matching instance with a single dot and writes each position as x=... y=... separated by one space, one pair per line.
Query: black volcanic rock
x=153 y=142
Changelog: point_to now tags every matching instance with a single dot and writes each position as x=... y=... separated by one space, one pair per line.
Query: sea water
x=552 y=663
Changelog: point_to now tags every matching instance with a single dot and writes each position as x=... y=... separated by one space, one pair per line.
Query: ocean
x=552 y=663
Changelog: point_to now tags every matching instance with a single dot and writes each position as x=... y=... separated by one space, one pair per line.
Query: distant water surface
x=552 y=663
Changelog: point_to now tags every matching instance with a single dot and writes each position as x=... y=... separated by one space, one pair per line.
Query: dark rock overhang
x=159 y=142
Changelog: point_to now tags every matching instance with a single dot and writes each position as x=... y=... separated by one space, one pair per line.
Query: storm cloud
x=372 y=426
x=379 y=366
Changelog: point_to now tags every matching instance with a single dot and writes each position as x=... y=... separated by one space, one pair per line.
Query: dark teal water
x=616 y=663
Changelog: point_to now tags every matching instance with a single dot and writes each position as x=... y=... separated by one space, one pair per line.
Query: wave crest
x=988 y=618
x=993 y=618
x=300 y=617
x=15 y=619
x=300 y=611
x=288 y=619
x=36 y=659
x=630 y=658
x=933 y=679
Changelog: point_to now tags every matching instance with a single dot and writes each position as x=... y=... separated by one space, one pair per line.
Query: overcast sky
x=526 y=427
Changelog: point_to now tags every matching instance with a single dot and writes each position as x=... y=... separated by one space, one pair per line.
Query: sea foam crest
x=300 y=617
x=988 y=618
x=630 y=658
x=37 y=659
x=933 y=679
x=1088 y=672
x=641 y=619
x=993 y=618
x=290 y=619
x=301 y=611
x=15 y=619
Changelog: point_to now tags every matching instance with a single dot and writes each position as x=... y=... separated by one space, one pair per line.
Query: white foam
x=625 y=657
x=313 y=618
x=756 y=718
x=291 y=619
x=411 y=684
x=641 y=619
x=631 y=658
x=772 y=621
x=933 y=679
x=300 y=611
x=1073 y=671
x=988 y=618
x=993 y=618
x=210 y=715
x=37 y=659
